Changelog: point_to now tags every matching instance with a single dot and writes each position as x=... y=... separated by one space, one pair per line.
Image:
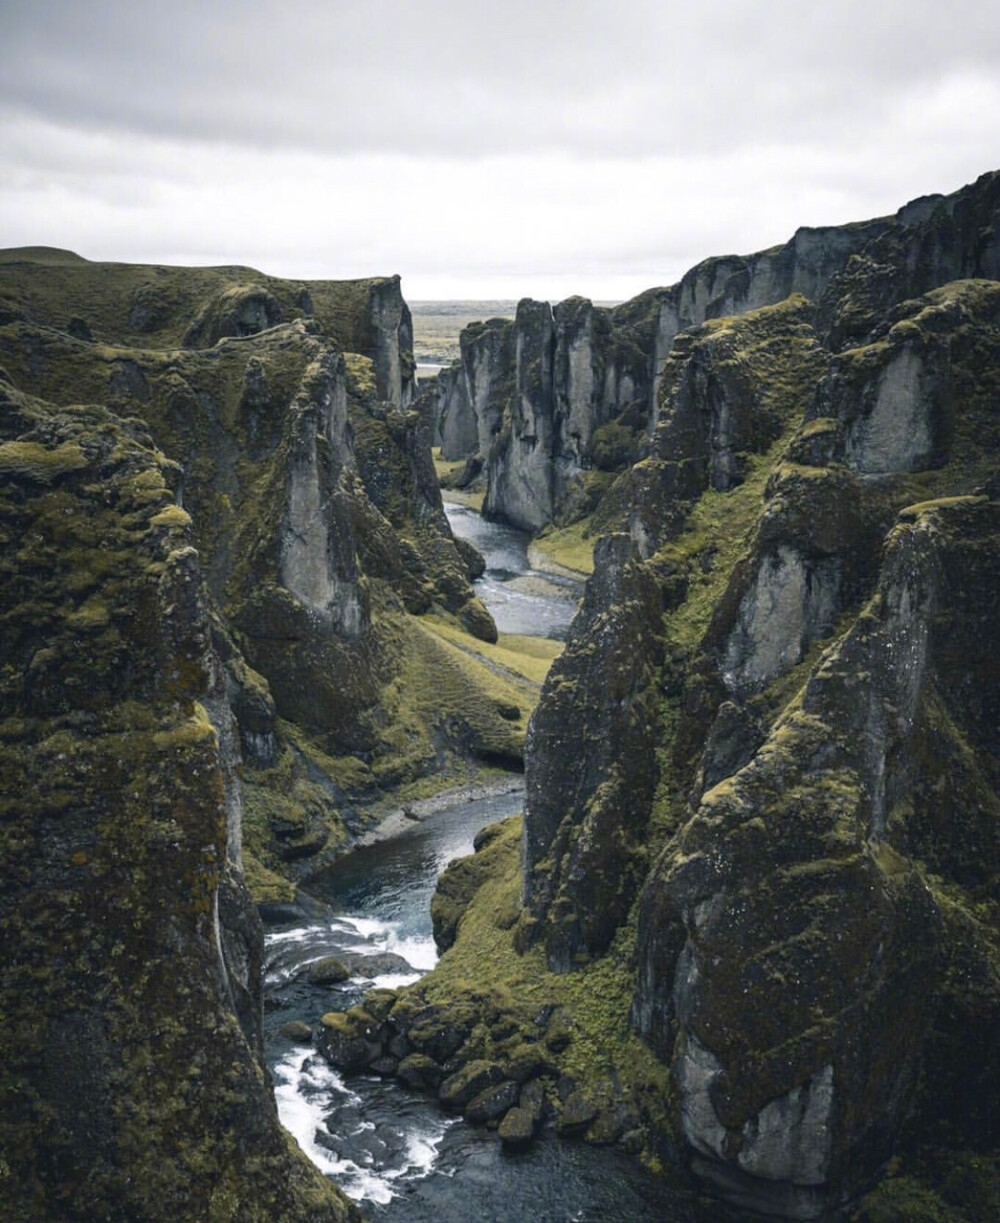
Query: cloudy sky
x=488 y=148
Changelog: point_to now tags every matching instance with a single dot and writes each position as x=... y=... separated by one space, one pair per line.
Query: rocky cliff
x=132 y=1074
x=320 y=527
x=560 y=396
x=215 y=656
x=156 y=307
x=761 y=823
x=749 y=927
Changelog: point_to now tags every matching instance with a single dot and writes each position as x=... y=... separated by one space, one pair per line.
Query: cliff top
x=153 y=305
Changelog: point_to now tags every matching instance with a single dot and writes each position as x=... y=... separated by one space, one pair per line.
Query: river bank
x=365 y=923
x=403 y=817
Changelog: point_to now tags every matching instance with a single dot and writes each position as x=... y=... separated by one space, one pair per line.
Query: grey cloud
x=447 y=78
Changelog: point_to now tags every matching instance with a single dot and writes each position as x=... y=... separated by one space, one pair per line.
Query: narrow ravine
x=389 y=1148
x=372 y=913
x=520 y=599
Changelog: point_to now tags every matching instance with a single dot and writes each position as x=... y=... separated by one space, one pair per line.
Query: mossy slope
x=133 y=1091
x=165 y=307
x=317 y=516
x=818 y=923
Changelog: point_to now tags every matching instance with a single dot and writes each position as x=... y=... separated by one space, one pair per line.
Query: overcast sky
x=487 y=148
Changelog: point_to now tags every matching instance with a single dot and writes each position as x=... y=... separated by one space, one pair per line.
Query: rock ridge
x=597 y=372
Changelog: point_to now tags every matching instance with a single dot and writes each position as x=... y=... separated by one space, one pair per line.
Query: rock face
x=555 y=396
x=389 y=336
x=319 y=523
x=776 y=719
x=165 y=307
x=522 y=488
x=590 y=768
x=807 y=1087
x=131 y=991
x=932 y=241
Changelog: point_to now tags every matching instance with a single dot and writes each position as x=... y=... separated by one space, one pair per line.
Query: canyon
x=747 y=927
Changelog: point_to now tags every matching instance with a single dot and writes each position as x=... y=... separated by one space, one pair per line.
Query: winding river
x=390 y=1148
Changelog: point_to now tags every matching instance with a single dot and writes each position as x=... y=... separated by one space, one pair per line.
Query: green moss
x=152 y=306
x=172 y=516
x=933 y=1187
x=38 y=463
x=446 y=468
x=567 y=548
x=266 y=886
x=113 y=859
x=519 y=657
x=361 y=370
x=588 y=1035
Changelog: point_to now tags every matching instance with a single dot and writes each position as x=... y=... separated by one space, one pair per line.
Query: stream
x=392 y=1149
x=520 y=599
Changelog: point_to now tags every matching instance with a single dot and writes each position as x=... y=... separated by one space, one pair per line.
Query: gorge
x=746 y=932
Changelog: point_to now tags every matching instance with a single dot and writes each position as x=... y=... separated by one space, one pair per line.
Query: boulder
x=420 y=1072
x=491 y=1103
x=328 y=971
x=475 y=1077
x=350 y=1040
x=297 y=1031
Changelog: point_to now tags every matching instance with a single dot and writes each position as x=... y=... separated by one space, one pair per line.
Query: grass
x=446 y=681
x=569 y=548
x=592 y=1002
x=526 y=657
x=474 y=500
x=445 y=468
x=151 y=306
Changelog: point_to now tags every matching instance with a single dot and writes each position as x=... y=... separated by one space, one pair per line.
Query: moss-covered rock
x=816 y=532
x=317 y=516
x=153 y=307
x=130 y=991
x=810 y=1084
x=350 y=1040
x=584 y=819
x=328 y=971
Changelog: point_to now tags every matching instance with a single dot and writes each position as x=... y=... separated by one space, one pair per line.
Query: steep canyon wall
x=559 y=396
x=762 y=816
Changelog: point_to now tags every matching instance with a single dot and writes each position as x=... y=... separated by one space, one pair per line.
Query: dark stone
x=491 y=1103
x=379 y=1002
x=585 y=814
x=350 y=1040
x=378 y=964
x=518 y=1128
x=420 y=1072
x=475 y=1077
x=79 y=329
x=297 y=1031
x=328 y=971
x=472 y=558
x=528 y=1062
x=385 y=1066
x=577 y=1113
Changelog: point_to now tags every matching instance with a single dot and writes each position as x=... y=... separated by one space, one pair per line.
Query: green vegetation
x=152 y=306
x=446 y=468
x=588 y=1035
x=567 y=548
x=133 y=1076
x=527 y=657
x=366 y=716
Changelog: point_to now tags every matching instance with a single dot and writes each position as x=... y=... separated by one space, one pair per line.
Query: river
x=520 y=599
x=390 y=1148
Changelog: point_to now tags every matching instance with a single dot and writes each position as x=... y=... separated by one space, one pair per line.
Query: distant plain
x=437 y=325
